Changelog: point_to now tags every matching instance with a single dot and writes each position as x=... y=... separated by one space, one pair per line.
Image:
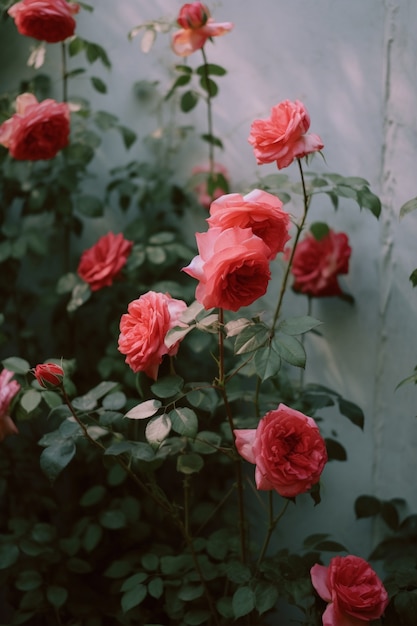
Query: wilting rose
x=101 y=263
x=49 y=375
x=354 y=592
x=282 y=137
x=143 y=329
x=202 y=174
x=38 y=130
x=287 y=449
x=197 y=27
x=232 y=267
x=317 y=264
x=8 y=389
x=46 y=20
x=258 y=210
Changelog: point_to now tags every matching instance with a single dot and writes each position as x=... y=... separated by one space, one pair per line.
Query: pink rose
x=258 y=210
x=318 y=262
x=232 y=267
x=49 y=375
x=46 y=20
x=8 y=389
x=143 y=329
x=282 y=137
x=287 y=449
x=101 y=263
x=202 y=174
x=354 y=592
x=38 y=130
x=197 y=27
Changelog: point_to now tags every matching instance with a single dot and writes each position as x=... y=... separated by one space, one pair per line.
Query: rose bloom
x=318 y=262
x=49 y=375
x=46 y=20
x=196 y=27
x=258 y=210
x=287 y=449
x=143 y=329
x=232 y=267
x=202 y=173
x=38 y=130
x=282 y=137
x=354 y=592
x=101 y=263
x=8 y=389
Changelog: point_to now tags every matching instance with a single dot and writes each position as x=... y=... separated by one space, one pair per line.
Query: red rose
x=258 y=210
x=38 y=130
x=282 y=137
x=143 y=329
x=101 y=263
x=318 y=262
x=49 y=375
x=287 y=449
x=353 y=590
x=232 y=267
x=197 y=27
x=46 y=20
x=8 y=389
x=202 y=174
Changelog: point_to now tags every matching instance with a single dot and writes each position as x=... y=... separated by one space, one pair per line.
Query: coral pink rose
x=46 y=20
x=38 y=130
x=101 y=263
x=8 y=389
x=318 y=262
x=143 y=329
x=219 y=183
x=49 y=375
x=258 y=210
x=197 y=27
x=287 y=449
x=282 y=137
x=354 y=592
x=232 y=267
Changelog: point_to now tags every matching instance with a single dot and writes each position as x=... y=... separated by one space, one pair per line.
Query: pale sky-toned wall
x=354 y=66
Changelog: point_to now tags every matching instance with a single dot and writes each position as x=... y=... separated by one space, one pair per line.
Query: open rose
x=197 y=27
x=8 y=389
x=101 y=263
x=38 y=130
x=258 y=210
x=218 y=183
x=143 y=329
x=317 y=264
x=287 y=449
x=232 y=267
x=355 y=594
x=46 y=20
x=282 y=137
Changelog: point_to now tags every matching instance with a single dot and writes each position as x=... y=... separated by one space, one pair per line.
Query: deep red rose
x=46 y=20
x=101 y=263
x=49 y=375
x=38 y=130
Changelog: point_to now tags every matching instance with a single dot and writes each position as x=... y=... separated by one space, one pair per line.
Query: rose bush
x=38 y=130
x=102 y=263
x=354 y=592
x=197 y=27
x=46 y=20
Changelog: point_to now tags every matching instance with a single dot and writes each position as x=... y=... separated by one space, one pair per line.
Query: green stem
x=209 y=117
x=64 y=72
x=271 y=526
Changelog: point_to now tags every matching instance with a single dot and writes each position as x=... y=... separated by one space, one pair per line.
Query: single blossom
x=49 y=375
x=232 y=267
x=8 y=389
x=101 y=263
x=317 y=263
x=46 y=20
x=219 y=183
x=196 y=27
x=143 y=330
x=258 y=210
x=38 y=130
x=287 y=449
x=283 y=136
x=354 y=592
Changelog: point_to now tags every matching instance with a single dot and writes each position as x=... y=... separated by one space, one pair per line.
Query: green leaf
x=369 y=200
x=330 y=546
x=367 y=506
x=267 y=362
x=105 y=120
x=189 y=463
x=290 y=349
x=195 y=618
x=188 y=101
x=215 y=141
x=190 y=592
x=184 y=421
x=57 y=596
x=113 y=519
x=158 y=429
x=156 y=587
x=30 y=400
x=16 y=365
x=56 y=457
x=90 y=206
x=118 y=569
x=129 y=136
x=335 y=450
x=75 y=46
x=206 y=442
x=114 y=401
x=237 y=572
x=251 y=338
x=98 y=84
x=266 y=596
x=352 y=412
x=319 y=230
x=168 y=386
x=181 y=81
x=408 y=207
x=93 y=495
x=9 y=554
x=94 y=52
x=133 y=581
x=298 y=325
x=134 y=597
x=211 y=68
x=144 y=410
x=413 y=278
x=209 y=85
x=92 y=537
x=80 y=294
x=243 y=601
x=28 y=579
